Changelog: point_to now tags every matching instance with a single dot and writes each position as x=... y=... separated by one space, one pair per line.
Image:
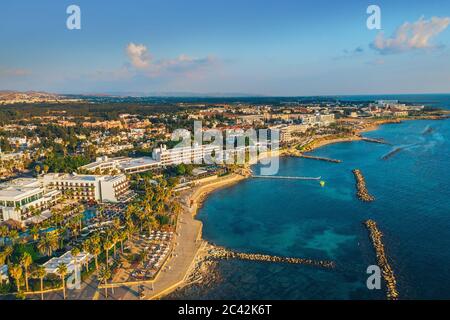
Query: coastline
x=190 y=249
x=194 y=198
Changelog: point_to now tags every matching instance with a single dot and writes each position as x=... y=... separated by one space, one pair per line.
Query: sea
x=295 y=218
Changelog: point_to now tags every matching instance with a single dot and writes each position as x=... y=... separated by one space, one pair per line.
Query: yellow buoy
x=322 y=184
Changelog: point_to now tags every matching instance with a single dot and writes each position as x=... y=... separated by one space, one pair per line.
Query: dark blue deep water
x=302 y=219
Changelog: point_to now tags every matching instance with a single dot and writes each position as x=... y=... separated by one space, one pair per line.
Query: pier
x=388 y=273
x=222 y=253
x=305 y=156
x=375 y=140
x=362 y=192
x=286 y=177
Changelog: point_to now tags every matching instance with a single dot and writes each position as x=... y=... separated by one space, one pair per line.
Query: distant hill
x=12 y=97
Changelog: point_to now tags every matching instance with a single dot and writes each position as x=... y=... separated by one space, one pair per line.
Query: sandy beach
x=188 y=241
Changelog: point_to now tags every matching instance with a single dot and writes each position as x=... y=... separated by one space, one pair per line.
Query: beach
x=188 y=242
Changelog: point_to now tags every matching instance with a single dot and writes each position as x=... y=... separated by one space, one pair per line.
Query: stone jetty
x=223 y=253
x=388 y=273
x=320 y=158
x=392 y=153
x=362 y=192
x=375 y=140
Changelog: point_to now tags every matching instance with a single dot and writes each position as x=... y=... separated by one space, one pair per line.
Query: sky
x=260 y=47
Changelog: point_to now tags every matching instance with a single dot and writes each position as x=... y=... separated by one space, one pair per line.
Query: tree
x=122 y=238
x=114 y=240
x=16 y=272
x=75 y=253
x=48 y=244
x=4 y=231
x=26 y=260
x=62 y=271
x=41 y=273
x=34 y=231
x=103 y=276
x=13 y=236
x=6 y=254
x=95 y=250
x=107 y=244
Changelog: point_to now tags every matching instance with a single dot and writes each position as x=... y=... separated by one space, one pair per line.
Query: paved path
x=174 y=271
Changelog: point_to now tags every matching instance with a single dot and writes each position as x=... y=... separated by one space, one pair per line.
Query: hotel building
x=20 y=198
x=186 y=155
x=90 y=187
x=122 y=164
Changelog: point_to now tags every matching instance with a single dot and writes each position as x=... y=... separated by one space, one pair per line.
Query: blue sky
x=269 y=47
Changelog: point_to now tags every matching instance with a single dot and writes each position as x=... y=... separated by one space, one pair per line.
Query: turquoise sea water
x=301 y=219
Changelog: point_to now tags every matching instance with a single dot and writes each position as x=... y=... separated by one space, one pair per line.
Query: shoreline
x=194 y=198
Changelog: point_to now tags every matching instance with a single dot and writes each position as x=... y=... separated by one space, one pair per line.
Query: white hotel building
x=186 y=155
x=122 y=164
x=90 y=187
x=19 y=198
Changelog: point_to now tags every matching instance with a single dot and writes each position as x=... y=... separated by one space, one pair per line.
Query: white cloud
x=138 y=55
x=143 y=62
x=411 y=36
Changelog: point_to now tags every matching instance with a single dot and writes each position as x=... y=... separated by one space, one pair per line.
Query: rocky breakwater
x=362 y=192
x=305 y=156
x=223 y=253
x=388 y=273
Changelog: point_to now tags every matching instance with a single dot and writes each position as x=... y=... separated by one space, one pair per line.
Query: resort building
x=287 y=133
x=22 y=199
x=127 y=165
x=187 y=155
x=69 y=260
x=90 y=187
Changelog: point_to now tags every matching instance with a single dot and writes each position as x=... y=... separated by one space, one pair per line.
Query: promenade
x=187 y=243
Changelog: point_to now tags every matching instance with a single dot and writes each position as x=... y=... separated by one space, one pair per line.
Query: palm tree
x=41 y=273
x=15 y=271
x=62 y=271
x=26 y=260
x=34 y=231
x=114 y=240
x=103 y=276
x=95 y=250
x=4 y=231
x=122 y=238
x=107 y=244
x=13 y=236
x=85 y=246
x=48 y=244
x=75 y=253
x=6 y=254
